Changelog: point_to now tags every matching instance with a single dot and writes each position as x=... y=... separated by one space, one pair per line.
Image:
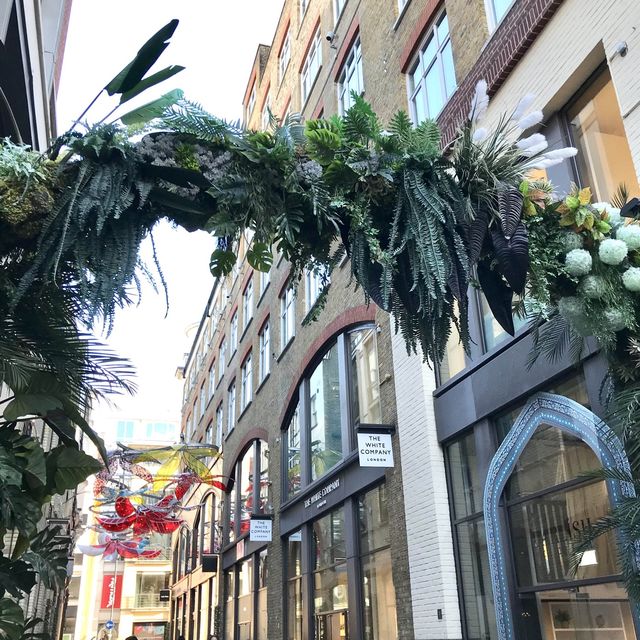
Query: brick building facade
x=439 y=576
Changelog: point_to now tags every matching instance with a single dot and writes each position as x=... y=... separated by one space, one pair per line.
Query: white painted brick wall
x=430 y=546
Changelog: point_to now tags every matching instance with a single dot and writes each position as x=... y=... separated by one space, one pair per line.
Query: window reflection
x=604 y=158
x=324 y=415
x=294 y=586
x=245 y=600
x=365 y=384
x=293 y=454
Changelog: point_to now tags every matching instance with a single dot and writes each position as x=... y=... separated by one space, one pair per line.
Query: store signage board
x=317 y=498
x=111 y=591
x=374 y=449
x=261 y=530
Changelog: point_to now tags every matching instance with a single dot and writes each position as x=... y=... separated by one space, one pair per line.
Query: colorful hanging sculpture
x=134 y=548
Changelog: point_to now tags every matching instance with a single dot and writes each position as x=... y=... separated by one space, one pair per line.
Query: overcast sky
x=216 y=41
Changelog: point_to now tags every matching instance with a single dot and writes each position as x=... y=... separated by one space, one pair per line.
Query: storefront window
x=494 y=334
x=330 y=596
x=262 y=595
x=231 y=501
x=377 y=582
x=246 y=490
x=365 y=384
x=294 y=469
x=294 y=586
x=604 y=159
x=229 y=610
x=150 y=630
x=341 y=392
x=454 y=360
x=245 y=600
x=324 y=415
x=466 y=487
x=473 y=567
x=207 y=525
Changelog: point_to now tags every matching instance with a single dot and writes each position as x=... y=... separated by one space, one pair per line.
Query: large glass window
x=330 y=591
x=222 y=358
x=247 y=296
x=262 y=617
x=229 y=610
x=233 y=345
x=231 y=407
x=294 y=467
x=285 y=55
x=311 y=66
x=365 y=383
x=208 y=541
x=251 y=478
x=324 y=410
x=604 y=158
x=245 y=600
x=294 y=586
x=212 y=380
x=496 y=10
x=432 y=79
x=350 y=79
x=219 y=425
x=314 y=283
x=375 y=561
x=345 y=379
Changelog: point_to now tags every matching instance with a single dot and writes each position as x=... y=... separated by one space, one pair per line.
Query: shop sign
x=317 y=497
x=374 y=449
x=165 y=595
x=260 y=529
x=111 y=591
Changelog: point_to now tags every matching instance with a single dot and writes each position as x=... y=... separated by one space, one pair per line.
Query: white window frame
x=264 y=359
x=252 y=101
x=285 y=55
x=402 y=4
x=287 y=316
x=311 y=67
x=304 y=5
x=234 y=334
x=313 y=287
x=266 y=116
x=219 y=425
x=231 y=407
x=432 y=32
x=246 y=382
x=208 y=434
x=338 y=8
x=265 y=279
x=203 y=400
x=222 y=358
x=492 y=19
x=351 y=78
x=247 y=304
x=212 y=379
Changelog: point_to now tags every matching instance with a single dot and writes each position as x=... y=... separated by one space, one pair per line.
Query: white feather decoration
x=523 y=106
x=530 y=120
x=480 y=102
x=480 y=134
x=531 y=141
x=561 y=154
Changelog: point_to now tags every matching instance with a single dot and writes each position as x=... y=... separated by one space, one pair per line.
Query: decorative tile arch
x=567 y=415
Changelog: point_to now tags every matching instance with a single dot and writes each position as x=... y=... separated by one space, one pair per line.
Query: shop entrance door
x=332 y=626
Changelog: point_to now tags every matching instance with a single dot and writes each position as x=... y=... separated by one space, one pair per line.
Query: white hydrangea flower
x=630 y=235
x=592 y=287
x=571 y=241
x=631 y=279
x=614 y=218
x=612 y=251
x=578 y=262
x=615 y=319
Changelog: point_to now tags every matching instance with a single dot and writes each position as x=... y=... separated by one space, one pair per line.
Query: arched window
x=341 y=392
x=208 y=526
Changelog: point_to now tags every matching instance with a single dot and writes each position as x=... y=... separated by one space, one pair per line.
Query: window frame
x=212 y=379
x=338 y=9
x=233 y=330
x=287 y=306
x=246 y=382
x=231 y=406
x=351 y=68
x=301 y=402
x=251 y=103
x=219 y=424
x=264 y=351
x=418 y=59
x=247 y=304
x=285 y=55
x=222 y=358
x=492 y=19
x=312 y=62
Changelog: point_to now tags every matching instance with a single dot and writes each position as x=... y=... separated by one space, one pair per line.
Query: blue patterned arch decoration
x=572 y=417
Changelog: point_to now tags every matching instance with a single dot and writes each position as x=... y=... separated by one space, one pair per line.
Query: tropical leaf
x=48 y=555
x=222 y=261
x=70 y=467
x=510 y=209
x=513 y=256
x=154 y=109
x=151 y=81
x=127 y=79
x=260 y=256
x=30 y=404
x=11 y=620
x=499 y=296
x=16 y=577
x=18 y=510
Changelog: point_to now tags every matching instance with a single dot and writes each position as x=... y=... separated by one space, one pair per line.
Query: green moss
x=186 y=158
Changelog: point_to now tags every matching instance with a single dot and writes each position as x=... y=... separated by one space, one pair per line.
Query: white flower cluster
x=592 y=287
x=631 y=279
x=571 y=241
x=612 y=251
x=630 y=235
x=614 y=218
x=578 y=262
